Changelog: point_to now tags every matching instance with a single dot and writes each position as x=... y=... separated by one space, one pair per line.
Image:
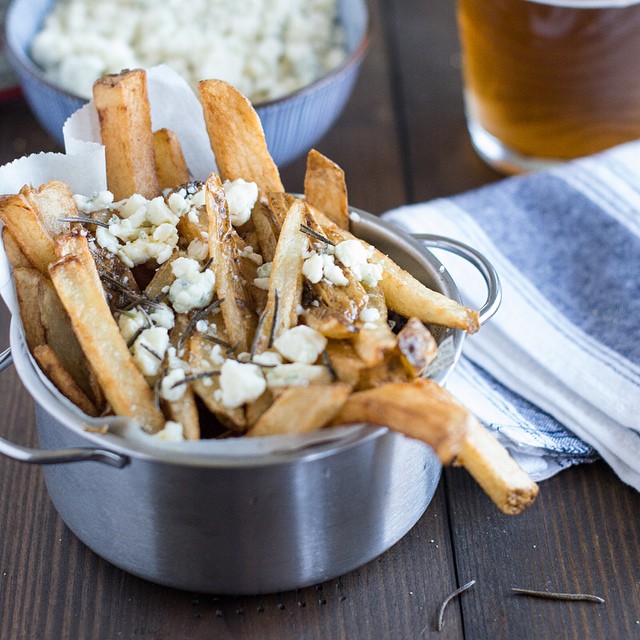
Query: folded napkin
x=556 y=373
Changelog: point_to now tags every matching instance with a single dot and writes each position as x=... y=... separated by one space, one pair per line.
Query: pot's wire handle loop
x=478 y=260
x=55 y=456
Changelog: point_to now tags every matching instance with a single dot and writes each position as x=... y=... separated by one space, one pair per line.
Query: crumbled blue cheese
x=268 y=358
x=198 y=250
x=249 y=253
x=263 y=274
x=147 y=229
x=241 y=196
x=369 y=314
x=192 y=288
x=312 y=268
x=170 y=387
x=317 y=266
x=149 y=349
x=297 y=374
x=293 y=42
x=240 y=383
x=171 y=432
x=301 y=344
x=99 y=201
x=354 y=256
x=354 y=217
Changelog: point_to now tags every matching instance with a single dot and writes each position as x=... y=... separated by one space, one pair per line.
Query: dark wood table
x=401 y=139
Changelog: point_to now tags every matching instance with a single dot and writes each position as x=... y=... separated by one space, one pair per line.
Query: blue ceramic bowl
x=292 y=124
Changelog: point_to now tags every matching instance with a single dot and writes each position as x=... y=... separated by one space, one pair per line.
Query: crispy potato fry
x=280 y=203
x=417 y=347
x=329 y=322
x=301 y=409
x=171 y=166
x=29 y=288
x=163 y=277
x=390 y=370
x=231 y=287
x=285 y=282
x=420 y=409
x=344 y=362
x=52 y=201
x=28 y=229
x=325 y=188
x=406 y=295
x=51 y=366
x=14 y=253
x=124 y=386
x=185 y=411
x=236 y=136
x=508 y=486
x=125 y=127
x=267 y=230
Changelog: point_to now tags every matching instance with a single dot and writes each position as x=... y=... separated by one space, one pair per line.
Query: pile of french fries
x=76 y=294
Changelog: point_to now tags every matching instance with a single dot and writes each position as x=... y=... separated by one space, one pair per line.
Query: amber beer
x=549 y=81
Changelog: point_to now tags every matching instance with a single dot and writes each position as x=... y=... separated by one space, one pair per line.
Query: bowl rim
x=61 y=410
x=21 y=58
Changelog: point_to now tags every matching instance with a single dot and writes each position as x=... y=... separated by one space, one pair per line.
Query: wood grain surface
x=401 y=139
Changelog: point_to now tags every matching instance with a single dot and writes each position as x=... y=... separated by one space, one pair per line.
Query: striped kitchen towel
x=556 y=373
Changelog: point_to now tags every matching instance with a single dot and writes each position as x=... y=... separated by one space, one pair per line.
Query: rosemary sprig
x=276 y=304
x=215 y=340
x=443 y=606
x=85 y=220
x=551 y=595
x=206 y=265
x=155 y=354
x=199 y=315
x=327 y=363
x=317 y=236
x=196 y=376
x=136 y=335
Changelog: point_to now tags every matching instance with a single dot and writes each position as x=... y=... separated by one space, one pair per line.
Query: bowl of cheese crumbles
x=296 y=60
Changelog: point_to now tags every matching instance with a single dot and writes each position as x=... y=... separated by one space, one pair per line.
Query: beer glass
x=549 y=80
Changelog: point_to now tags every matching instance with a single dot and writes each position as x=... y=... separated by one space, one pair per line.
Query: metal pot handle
x=55 y=456
x=486 y=269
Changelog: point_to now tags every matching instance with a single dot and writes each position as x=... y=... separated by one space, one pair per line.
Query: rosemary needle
x=316 y=235
x=85 y=220
x=448 y=599
x=558 y=596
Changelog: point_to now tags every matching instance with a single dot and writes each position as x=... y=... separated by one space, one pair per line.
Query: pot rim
x=194 y=453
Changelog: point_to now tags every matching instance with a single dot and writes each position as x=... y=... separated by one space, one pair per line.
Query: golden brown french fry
x=13 y=251
x=52 y=201
x=417 y=347
x=301 y=409
x=29 y=288
x=285 y=282
x=185 y=411
x=406 y=295
x=51 y=366
x=231 y=287
x=280 y=203
x=267 y=230
x=28 y=230
x=420 y=409
x=78 y=286
x=329 y=322
x=508 y=486
x=123 y=109
x=325 y=188
x=236 y=136
x=390 y=370
x=171 y=166
x=344 y=361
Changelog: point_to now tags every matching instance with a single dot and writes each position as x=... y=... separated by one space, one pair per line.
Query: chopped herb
x=85 y=220
x=316 y=235
x=448 y=599
x=557 y=596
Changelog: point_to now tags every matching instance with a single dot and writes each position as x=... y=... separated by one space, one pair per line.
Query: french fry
x=52 y=201
x=236 y=136
x=406 y=295
x=344 y=362
x=29 y=288
x=124 y=386
x=185 y=411
x=329 y=322
x=325 y=188
x=125 y=127
x=267 y=230
x=14 y=253
x=508 y=486
x=417 y=347
x=280 y=203
x=51 y=366
x=285 y=282
x=301 y=409
x=420 y=409
x=171 y=166
x=231 y=288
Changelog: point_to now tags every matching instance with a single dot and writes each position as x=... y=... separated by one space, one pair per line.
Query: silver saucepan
x=246 y=524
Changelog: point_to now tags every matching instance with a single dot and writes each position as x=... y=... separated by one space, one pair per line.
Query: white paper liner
x=174 y=106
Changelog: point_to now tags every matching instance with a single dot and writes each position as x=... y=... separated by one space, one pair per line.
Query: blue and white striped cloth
x=556 y=373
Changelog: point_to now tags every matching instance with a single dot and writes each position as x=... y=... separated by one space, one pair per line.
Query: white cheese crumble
x=97 y=202
x=149 y=348
x=301 y=344
x=263 y=273
x=265 y=48
x=192 y=288
x=169 y=388
x=355 y=256
x=241 y=196
x=369 y=314
x=354 y=217
x=249 y=253
x=318 y=266
x=171 y=432
x=297 y=374
x=240 y=383
x=198 y=250
x=268 y=358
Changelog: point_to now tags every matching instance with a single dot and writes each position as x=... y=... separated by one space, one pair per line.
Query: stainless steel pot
x=245 y=524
